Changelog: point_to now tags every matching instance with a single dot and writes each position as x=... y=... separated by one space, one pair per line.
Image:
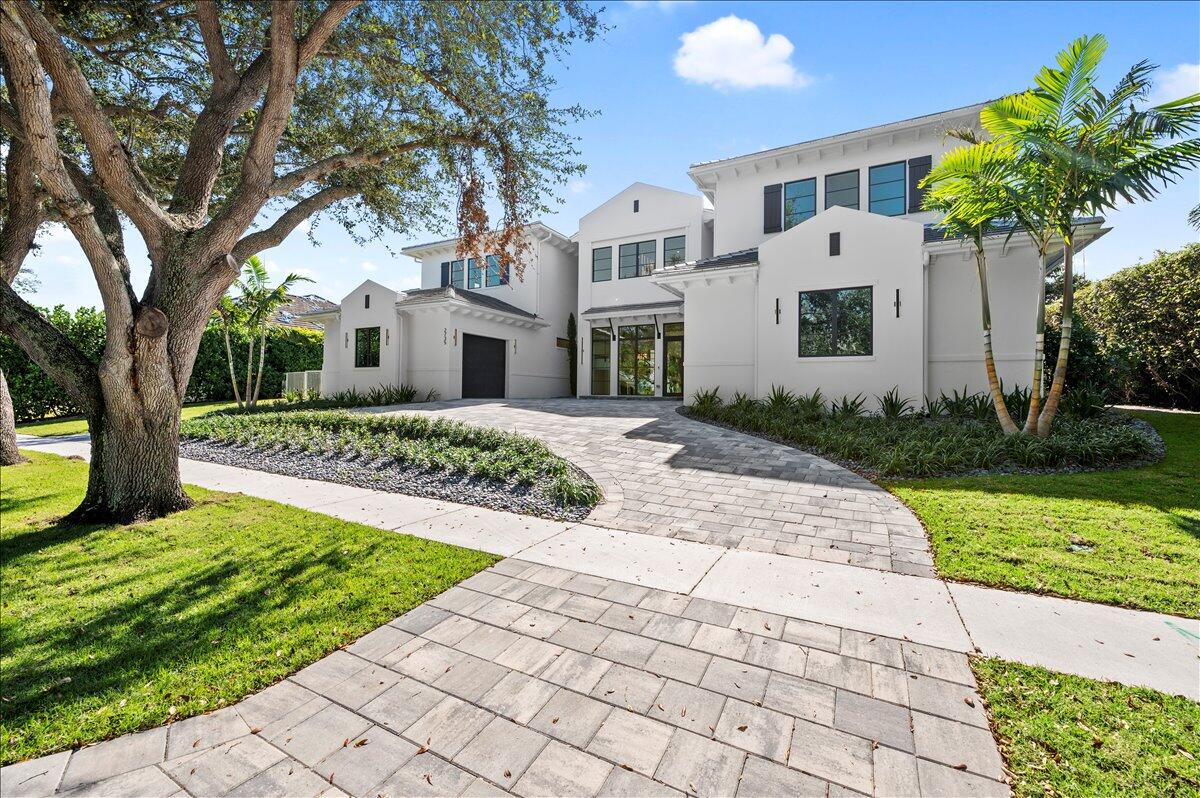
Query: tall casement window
x=842 y=189
x=601 y=361
x=637 y=260
x=799 y=201
x=366 y=347
x=887 y=189
x=635 y=360
x=456 y=274
x=674 y=250
x=494 y=275
x=601 y=264
x=836 y=323
x=474 y=274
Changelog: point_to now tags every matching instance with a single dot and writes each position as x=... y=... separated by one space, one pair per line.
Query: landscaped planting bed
x=411 y=454
x=957 y=435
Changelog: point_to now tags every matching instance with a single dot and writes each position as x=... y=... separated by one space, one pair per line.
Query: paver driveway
x=540 y=681
x=665 y=474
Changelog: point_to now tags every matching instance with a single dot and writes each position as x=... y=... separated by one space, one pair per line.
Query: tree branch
x=23 y=211
x=208 y=15
x=274 y=235
x=114 y=167
x=62 y=361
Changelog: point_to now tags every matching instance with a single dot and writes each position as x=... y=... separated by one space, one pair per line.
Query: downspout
x=926 y=259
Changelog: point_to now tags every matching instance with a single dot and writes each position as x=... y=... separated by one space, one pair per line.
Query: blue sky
x=680 y=82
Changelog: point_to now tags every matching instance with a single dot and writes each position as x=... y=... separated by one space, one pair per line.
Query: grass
x=1067 y=735
x=110 y=629
x=76 y=425
x=421 y=441
x=1127 y=537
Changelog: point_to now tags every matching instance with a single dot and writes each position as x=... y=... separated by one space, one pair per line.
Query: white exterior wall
x=955 y=318
x=737 y=188
x=718 y=333
x=338 y=372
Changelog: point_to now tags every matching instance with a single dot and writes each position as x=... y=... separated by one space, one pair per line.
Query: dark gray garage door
x=483 y=367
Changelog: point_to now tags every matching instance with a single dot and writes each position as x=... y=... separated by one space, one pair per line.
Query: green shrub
x=891 y=405
x=34 y=395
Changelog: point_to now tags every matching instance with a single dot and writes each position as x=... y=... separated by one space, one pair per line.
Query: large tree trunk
x=9 y=454
x=989 y=360
x=1046 y=419
x=1039 y=345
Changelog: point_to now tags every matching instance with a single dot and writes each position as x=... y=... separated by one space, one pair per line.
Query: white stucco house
x=809 y=266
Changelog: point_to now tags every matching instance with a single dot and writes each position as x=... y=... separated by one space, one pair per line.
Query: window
x=835 y=323
x=474 y=274
x=799 y=201
x=456 y=273
x=635 y=360
x=495 y=276
x=835 y=244
x=445 y=273
x=562 y=343
x=842 y=189
x=886 y=193
x=601 y=361
x=637 y=260
x=366 y=301
x=601 y=264
x=366 y=347
x=636 y=205
x=674 y=250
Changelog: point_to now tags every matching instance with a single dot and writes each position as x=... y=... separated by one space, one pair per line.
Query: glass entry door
x=635 y=360
x=673 y=359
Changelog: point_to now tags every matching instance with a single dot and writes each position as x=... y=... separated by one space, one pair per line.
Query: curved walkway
x=665 y=474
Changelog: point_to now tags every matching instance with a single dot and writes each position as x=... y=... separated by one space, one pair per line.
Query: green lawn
x=1129 y=537
x=75 y=425
x=109 y=629
x=1067 y=735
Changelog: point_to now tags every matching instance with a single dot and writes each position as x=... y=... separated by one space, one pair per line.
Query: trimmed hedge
x=34 y=395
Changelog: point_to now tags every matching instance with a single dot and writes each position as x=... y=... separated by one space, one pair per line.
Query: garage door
x=483 y=367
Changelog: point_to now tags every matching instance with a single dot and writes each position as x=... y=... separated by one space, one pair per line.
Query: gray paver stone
x=832 y=755
x=688 y=707
x=111 y=758
x=700 y=766
x=424 y=775
x=561 y=770
x=366 y=760
x=571 y=717
x=755 y=729
x=876 y=720
x=501 y=751
x=763 y=779
x=631 y=740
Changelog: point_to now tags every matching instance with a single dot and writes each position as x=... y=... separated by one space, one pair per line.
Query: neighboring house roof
x=643 y=308
x=419 y=250
x=741 y=257
x=297 y=309
x=935 y=233
x=423 y=295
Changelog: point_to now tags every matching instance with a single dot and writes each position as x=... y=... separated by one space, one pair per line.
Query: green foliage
x=1067 y=735
x=379 y=396
x=415 y=440
x=111 y=629
x=956 y=433
x=572 y=353
x=780 y=398
x=1091 y=364
x=1124 y=536
x=892 y=405
x=34 y=395
x=288 y=349
x=1147 y=320
x=707 y=400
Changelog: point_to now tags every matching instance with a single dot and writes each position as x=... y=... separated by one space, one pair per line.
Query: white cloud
x=369 y=266
x=1175 y=83
x=579 y=186
x=731 y=53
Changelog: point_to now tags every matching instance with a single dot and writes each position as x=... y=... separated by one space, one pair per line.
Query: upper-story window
x=799 y=201
x=637 y=260
x=601 y=264
x=674 y=250
x=456 y=273
x=887 y=189
x=495 y=275
x=474 y=274
x=842 y=189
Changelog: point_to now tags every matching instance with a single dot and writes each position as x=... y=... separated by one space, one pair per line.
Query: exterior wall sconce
x=778 y=310
x=387 y=336
x=346 y=345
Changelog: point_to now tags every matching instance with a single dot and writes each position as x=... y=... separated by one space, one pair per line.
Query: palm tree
x=972 y=187
x=1087 y=150
x=257 y=301
x=230 y=313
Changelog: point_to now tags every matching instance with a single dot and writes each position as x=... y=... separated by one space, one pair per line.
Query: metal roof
x=475 y=298
x=631 y=310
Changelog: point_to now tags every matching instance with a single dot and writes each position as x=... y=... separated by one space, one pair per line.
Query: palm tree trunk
x=1046 y=419
x=262 y=354
x=229 y=359
x=1039 y=344
x=1006 y=423
x=249 y=371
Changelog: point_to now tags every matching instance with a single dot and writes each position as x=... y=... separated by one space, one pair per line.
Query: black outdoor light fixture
x=897 y=303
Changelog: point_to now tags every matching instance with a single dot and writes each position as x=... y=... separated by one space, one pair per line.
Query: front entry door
x=635 y=360
x=483 y=367
x=673 y=359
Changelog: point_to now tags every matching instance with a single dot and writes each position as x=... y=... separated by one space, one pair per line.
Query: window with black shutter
x=917 y=169
x=773 y=208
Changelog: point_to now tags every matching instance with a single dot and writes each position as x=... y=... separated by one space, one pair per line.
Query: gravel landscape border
x=386 y=474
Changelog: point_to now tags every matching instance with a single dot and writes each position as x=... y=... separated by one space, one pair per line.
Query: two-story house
x=473 y=329
x=810 y=266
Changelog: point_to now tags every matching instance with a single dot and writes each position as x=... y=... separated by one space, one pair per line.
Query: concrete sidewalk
x=1102 y=642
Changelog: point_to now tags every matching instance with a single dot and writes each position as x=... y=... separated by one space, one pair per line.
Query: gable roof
x=422 y=295
x=639 y=185
x=558 y=239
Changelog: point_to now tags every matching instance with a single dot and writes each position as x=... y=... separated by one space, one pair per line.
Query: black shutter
x=917 y=169
x=445 y=273
x=773 y=208
x=504 y=273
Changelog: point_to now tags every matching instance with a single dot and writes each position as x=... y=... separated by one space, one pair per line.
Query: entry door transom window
x=635 y=360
